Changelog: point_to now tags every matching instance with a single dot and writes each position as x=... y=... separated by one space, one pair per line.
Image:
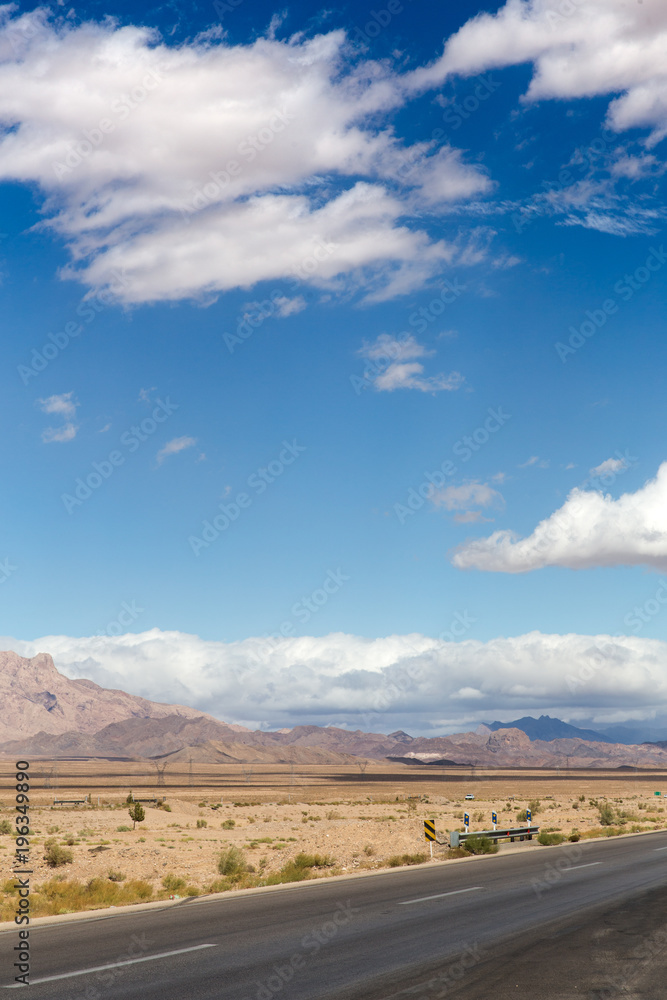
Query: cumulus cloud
x=392 y=366
x=174 y=446
x=62 y=406
x=411 y=681
x=183 y=171
x=592 y=49
x=590 y=529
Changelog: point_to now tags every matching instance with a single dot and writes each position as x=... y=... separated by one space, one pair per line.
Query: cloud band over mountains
x=415 y=682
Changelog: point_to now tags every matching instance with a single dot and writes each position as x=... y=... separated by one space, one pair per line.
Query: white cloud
x=393 y=368
x=590 y=529
x=62 y=406
x=592 y=49
x=187 y=170
x=174 y=446
x=288 y=307
x=610 y=465
x=410 y=681
x=468 y=495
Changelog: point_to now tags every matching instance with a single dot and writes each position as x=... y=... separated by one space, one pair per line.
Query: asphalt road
x=427 y=932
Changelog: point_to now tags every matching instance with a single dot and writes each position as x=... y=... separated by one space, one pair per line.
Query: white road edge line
x=660 y=848
x=114 y=965
x=424 y=899
x=575 y=867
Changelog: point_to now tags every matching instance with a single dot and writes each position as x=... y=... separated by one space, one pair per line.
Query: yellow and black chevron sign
x=429 y=829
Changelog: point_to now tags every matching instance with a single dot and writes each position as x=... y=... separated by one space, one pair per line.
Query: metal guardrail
x=512 y=833
x=70 y=802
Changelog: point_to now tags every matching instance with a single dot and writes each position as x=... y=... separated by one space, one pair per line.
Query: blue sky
x=282 y=270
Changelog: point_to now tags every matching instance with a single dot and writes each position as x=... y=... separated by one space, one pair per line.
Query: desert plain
x=347 y=818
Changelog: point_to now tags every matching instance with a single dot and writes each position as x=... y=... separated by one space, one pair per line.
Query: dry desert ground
x=345 y=819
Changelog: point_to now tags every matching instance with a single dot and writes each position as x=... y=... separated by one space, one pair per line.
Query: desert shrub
x=574 y=837
x=228 y=824
x=332 y=814
x=174 y=883
x=201 y=824
x=535 y=805
x=607 y=815
x=5 y=826
x=114 y=876
x=369 y=850
x=457 y=852
x=582 y=798
x=203 y=804
x=397 y=860
x=192 y=890
x=575 y=805
x=522 y=816
x=480 y=845
x=165 y=806
x=548 y=839
x=220 y=885
x=55 y=855
x=123 y=829
x=232 y=863
x=53 y=829
x=303 y=860
x=70 y=841
x=478 y=817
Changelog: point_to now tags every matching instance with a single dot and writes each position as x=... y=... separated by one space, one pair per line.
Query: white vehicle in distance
x=469 y=796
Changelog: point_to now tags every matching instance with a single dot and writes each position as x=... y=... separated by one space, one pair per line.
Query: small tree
x=137 y=814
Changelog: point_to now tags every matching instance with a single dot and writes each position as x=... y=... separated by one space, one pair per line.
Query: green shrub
x=303 y=860
x=574 y=837
x=116 y=876
x=522 y=816
x=174 y=883
x=369 y=850
x=548 y=839
x=534 y=805
x=397 y=860
x=480 y=845
x=123 y=829
x=228 y=824
x=201 y=824
x=607 y=815
x=56 y=855
x=5 y=826
x=232 y=863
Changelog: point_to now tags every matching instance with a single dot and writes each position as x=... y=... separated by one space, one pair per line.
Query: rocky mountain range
x=48 y=715
x=37 y=697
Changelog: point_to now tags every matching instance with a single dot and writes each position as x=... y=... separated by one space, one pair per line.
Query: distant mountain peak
x=547 y=729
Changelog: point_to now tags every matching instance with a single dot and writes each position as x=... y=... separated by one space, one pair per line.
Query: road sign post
x=529 y=817
x=429 y=832
x=466 y=822
x=494 y=819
